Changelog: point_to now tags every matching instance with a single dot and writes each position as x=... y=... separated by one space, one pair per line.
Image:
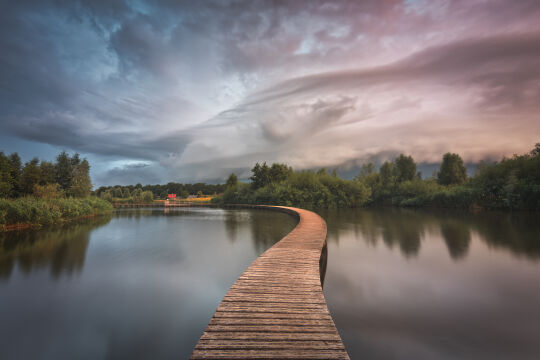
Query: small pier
x=276 y=309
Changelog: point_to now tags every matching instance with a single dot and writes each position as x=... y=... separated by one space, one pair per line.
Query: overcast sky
x=158 y=91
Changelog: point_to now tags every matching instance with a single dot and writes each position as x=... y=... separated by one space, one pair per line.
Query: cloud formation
x=196 y=90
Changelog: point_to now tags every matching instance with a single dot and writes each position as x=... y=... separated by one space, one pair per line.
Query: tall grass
x=42 y=211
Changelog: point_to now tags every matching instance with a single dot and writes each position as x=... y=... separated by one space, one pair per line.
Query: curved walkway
x=276 y=308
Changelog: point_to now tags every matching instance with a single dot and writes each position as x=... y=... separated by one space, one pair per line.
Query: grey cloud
x=144 y=173
x=139 y=80
x=482 y=61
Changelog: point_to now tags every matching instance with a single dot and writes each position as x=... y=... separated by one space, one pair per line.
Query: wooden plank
x=276 y=309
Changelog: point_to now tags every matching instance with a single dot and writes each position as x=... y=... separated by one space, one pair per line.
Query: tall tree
x=232 y=181
x=387 y=174
x=48 y=172
x=63 y=170
x=6 y=181
x=279 y=172
x=16 y=172
x=405 y=168
x=261 y=175
x=452 y=170
x=367 y=169
x=31 y=175
x=80 y=179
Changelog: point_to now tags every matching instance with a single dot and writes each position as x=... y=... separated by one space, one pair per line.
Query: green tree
x=63 y=170
x=232 y=181
x=16 y=172
x=368 y=176
x=367 y=169
x=387 y=174
x=279 y=172
x=31 y=175
x=48 y=173
x=261 y=175
x=80 y=178
x=147 y=196
x=117 y=192
x=6 y=181
x=452 y=170
x=405 y=168
x=106 y=195
x=75 y=160
x=136 y=194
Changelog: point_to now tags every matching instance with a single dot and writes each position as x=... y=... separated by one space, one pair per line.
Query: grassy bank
x=32 y=211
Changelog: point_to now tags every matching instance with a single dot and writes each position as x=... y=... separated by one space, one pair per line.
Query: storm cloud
x=196 y=90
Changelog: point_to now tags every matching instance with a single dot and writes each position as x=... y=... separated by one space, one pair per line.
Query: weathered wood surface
x=276 y=308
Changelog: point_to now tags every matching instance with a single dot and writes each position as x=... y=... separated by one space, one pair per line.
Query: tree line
x=279 y=184
x=512 y=183
x=145 y=193
x=67 y=176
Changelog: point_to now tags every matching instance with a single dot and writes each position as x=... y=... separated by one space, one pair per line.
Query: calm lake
x=435 y=284
x=140 y=285
x=143 y=283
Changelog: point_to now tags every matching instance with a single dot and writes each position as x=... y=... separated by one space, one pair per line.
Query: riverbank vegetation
x=140 y=193
x=42 y=193
x=278 y=184
x=512 y=183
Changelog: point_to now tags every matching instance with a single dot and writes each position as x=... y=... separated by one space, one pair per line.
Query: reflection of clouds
x=387 y=304
x=150 y=282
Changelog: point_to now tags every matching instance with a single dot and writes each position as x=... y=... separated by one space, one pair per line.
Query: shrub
x=42 y=211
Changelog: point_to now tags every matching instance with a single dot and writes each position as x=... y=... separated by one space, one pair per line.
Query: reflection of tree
x=457 y=236
x=268 y=227
x=232 y=220
x=517 y=232
x=62 y=248
x=393 y=227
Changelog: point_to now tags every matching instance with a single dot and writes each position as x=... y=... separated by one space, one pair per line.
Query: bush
x=302 y=189
x=48 y=191
x=43 y=211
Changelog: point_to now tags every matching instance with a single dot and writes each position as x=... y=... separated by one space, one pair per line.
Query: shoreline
x=25 y=226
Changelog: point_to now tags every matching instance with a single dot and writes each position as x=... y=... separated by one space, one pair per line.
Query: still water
x=140 y=285
x=143 y=284
x=435 y=285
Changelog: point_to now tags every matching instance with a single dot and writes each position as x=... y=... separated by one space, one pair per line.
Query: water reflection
x=269 y=226
x=61 y=248
x=148 y=281
x=404 y=284
x=515 y=232
x=457 y=238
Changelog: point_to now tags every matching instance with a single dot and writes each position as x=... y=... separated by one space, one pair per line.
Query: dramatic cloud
x=194 y=90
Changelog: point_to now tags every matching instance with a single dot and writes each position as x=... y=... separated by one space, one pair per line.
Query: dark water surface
x=140 y=285
x=400 y=284
x=435 y=285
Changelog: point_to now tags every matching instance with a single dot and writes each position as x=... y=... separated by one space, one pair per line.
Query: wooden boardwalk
x=276 y=308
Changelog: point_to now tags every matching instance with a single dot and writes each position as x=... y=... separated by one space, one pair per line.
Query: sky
x=185 y=91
